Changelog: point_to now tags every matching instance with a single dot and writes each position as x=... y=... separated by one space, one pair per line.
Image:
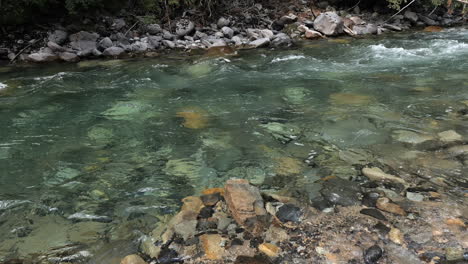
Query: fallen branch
x=22 y=50
x=131 y=28
x=400 y=11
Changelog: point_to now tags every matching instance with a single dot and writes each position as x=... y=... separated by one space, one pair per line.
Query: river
x=93 y=155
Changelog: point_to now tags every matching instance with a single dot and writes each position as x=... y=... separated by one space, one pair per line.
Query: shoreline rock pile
x=239 y=31
x=240 y=224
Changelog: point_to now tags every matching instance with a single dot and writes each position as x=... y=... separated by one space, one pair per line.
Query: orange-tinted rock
x=220 y=51
x=213 y=191
x=269 y=250
x=212 y=246
x=433 y=29
x=132 y=259
x=455 y=221
x=288 y=166
x=194 y=117
x=384 y=204
x=396 y=236
x=246 y=204
x=349 y=99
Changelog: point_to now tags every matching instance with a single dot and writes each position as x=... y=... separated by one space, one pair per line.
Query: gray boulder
x=228 y=32
x=259 y=43
x=411 y=16
x=54 y=46
x=184 y=27
x=105 y=43
x=154 y=42
x=43 y=55
x=289 y=19
x=83 y=40
x=281 y=40
x=329 y=23
x=118 y=24
x=69 y=57
x=139 y=46
x=238 y=41
x=365 y=29
x=58 y=36
x=428 y=21
x=168 y=43
x=113 y=51
x=168 y=35
x=223 y=22
x=153 y=29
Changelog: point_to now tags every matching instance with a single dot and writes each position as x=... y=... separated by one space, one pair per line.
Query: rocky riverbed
x=257 y=27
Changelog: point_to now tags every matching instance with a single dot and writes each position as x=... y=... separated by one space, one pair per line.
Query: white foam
x=3 y=86
x=45 y=78
x=287 y=58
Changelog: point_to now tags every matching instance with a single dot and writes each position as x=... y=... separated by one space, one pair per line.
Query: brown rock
x=132 y=259
x=212 y=246
x=433 y=29
x=455 y=221
x=385 y=205
x=376 y=174
x=246 y=204
x=269 y=250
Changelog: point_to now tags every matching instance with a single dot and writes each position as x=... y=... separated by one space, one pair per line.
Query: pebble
x=289 y=213
x=373 y=254
x=132 y=259
x=396 y=236
x=415 y=197
x=270 y=250
x=385 y=205
x=374 y=213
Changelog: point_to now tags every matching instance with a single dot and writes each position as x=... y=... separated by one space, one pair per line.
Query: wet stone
x=210 y=199
x=373 y=254
x=374 y=213
x=342 y=192
x=415 y=197
x=289 y=213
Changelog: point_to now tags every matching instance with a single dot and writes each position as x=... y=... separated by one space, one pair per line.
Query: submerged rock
x=449 y=136
x=376 y=174
x=410 y=137
x=194 y=117
x=282 y=132
x=132 y=259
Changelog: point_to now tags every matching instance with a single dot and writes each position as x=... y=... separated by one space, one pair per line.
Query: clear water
x=93 y=155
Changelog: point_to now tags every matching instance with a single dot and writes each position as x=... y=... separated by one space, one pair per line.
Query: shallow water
x=99 y=152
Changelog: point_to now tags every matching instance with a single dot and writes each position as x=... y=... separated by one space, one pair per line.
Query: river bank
x=257 y=27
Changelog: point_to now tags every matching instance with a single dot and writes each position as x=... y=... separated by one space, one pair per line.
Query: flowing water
x=94 y=154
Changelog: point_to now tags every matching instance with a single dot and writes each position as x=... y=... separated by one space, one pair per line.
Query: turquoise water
x=93 y=155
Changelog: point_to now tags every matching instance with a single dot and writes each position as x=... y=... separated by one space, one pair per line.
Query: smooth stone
x=396 y=236
x=329 y=23
x=69 y=57
x=416 y=197
x=449 y=136
x=259 y=43
x=458 y=150
x=289 y=213
x=270 y=250
x=376 y=174
x=132 y=259
x=245 y=204
x=406 y=136
x=385 y=205
x=342 y=192
x=372 y=254
x=113 y=51
x=374 y=213
x=212 y=246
